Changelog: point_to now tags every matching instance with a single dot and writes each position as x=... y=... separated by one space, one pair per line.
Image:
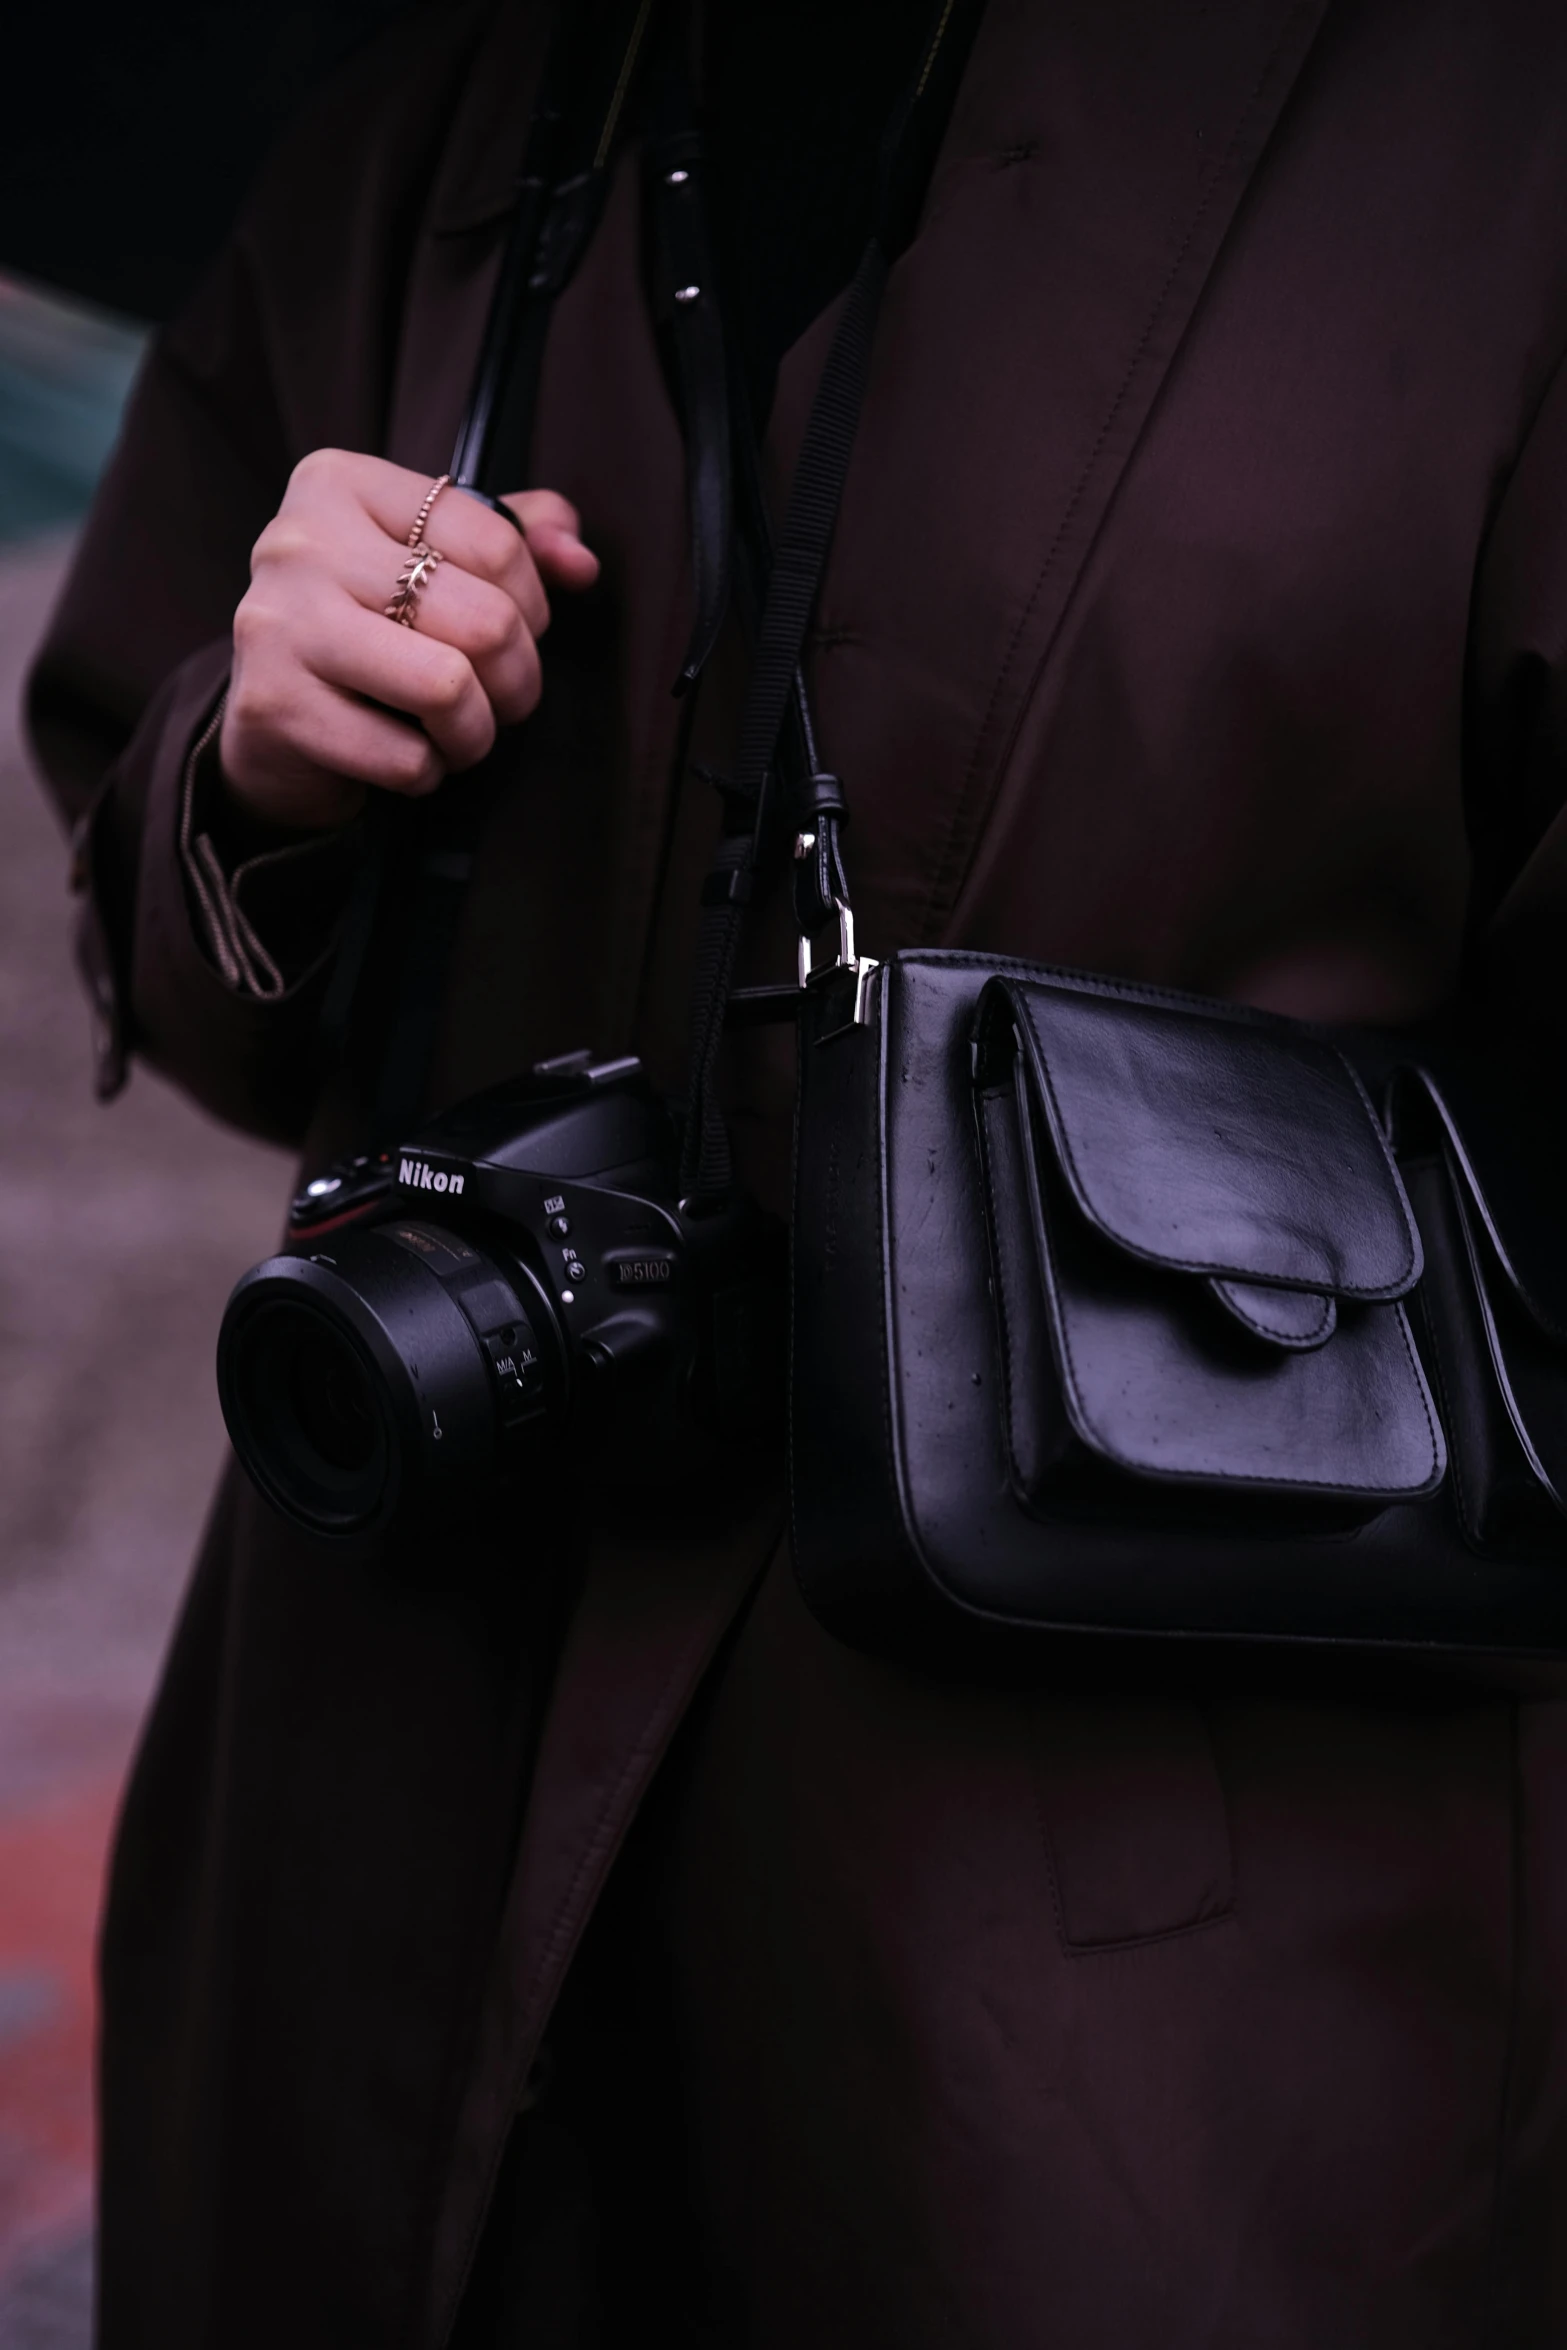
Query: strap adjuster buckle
x=812 y=973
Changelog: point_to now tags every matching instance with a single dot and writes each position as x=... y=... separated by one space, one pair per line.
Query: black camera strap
x=776 y=729
x=686 y=319
x=409 y=893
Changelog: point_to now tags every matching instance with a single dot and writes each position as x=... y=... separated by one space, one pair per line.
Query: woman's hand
x=328 y=697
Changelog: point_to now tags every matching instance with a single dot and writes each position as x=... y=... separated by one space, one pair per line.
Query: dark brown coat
x=1198 y=611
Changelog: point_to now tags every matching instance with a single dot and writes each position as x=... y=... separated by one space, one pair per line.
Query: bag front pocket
x=1199 y=1243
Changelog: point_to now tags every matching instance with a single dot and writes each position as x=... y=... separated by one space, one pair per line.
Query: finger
x=554 y=531
x=466 y=533
x=544 y=510
x=488 y=549
x=406 y=670
x=468 y=489
x=360 y=556
x=322 y=737
x=387 y=753
x=458 y=609
x=484 y=624
x=563 y=560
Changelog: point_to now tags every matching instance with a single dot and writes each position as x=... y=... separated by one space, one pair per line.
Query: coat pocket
x=1134 y=1820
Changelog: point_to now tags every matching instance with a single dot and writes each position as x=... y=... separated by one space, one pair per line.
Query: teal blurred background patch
x=64 y=373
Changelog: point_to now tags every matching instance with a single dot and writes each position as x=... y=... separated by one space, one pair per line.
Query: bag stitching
x=1501 y=1375
x=1326 y=1320
x=884 y=1247
x=1240 y=1476
x=1000 y=1286
x=1468 y=1517
x=1420 y=1383
x=1096 y=983
x=892 y=1462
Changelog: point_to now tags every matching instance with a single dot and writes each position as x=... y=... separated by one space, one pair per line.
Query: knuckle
x=522 y=698
x=320 y=465
x=493 y=543
x=471 y=736
x=285 y=539
x=495 y=626
x=410 y=758
x=255 y=625
x=248 y=624
x=447 y=689
x=253 y=707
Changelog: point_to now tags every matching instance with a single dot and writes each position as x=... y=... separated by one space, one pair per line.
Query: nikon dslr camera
x=518 y=1292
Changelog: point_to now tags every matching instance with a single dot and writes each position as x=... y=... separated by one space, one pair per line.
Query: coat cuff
x=265 y=917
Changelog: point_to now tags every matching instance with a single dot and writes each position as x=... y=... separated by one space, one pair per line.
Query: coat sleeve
x=1516 y=740
x=131 y=673
x=286 y=348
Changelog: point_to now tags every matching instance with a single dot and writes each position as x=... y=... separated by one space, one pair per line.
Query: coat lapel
x=1093 y=165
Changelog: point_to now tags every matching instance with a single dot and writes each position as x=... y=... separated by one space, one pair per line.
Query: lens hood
x=353 y=1385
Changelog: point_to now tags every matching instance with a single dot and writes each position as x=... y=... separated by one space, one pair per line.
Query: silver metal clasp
x=814 y=974
x=809 y=968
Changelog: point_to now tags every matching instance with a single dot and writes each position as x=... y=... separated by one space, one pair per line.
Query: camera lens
x=332 y=1401
x=316 y=1434
x=401 y=1368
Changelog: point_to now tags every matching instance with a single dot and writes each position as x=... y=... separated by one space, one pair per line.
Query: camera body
x=517 y=1292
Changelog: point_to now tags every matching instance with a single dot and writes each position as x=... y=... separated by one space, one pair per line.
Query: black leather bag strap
x=775 y=684
x=418 y=859
x=777 y=716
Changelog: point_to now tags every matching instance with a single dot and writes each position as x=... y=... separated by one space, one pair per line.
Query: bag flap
x=1220 y=1142
x=1506 y=1150
x=1296 y=1319
x=1112 y=1363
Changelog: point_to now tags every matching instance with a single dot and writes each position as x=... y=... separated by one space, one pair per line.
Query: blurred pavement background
x=121 y=1230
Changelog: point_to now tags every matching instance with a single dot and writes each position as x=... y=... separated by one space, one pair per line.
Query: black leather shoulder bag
x=1116 y=1310
x=1128 y=1312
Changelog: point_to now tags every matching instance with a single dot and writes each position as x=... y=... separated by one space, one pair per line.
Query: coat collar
x=481 y=168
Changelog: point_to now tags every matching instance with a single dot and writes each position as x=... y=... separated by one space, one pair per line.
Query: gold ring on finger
x=412 y=581
x=415 y=536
